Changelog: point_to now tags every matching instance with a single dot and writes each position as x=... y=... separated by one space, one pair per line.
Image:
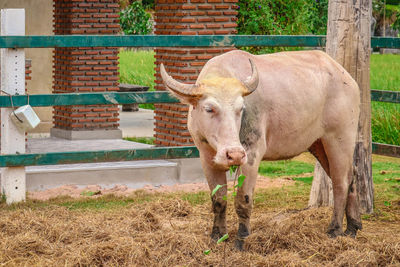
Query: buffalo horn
x=178 y=87
x=251 y=82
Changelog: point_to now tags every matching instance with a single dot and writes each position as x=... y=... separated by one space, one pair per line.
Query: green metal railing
x=177 y=40
x=149 y=97
x=47 y=100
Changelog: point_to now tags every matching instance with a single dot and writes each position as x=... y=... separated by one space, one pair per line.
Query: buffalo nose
x=235 y=157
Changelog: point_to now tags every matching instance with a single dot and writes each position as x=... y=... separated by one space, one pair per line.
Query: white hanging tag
x=25 y=118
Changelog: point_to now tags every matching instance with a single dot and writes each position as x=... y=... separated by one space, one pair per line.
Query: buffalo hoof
x=352 y=227
x=335 y=232
x=239 y=244
x=350 y=233
x=216 y=234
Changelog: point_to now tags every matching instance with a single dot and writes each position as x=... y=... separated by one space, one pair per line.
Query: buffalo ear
x=185 y=99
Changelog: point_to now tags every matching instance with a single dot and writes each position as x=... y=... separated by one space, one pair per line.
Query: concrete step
x=134 y=174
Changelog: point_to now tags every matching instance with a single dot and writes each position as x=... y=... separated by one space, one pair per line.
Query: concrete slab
x=52 y=144
x=85 y=135
x=134 y=174
x=137 y=124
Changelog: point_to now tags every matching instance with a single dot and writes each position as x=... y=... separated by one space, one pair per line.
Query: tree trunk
x=321 y=191
x=349 y=43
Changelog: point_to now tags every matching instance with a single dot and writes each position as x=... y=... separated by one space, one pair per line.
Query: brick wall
x=186 y=17
x=86 y=69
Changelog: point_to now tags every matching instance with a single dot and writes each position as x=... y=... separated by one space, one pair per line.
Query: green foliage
x=232 y=169
x=391 y=10
x=223 y=238
x=148 y=4
x=218 y=187
x=240 y=180
x=135 y=20
x=270 y=17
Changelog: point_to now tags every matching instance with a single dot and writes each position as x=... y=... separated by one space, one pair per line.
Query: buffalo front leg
x=214 y=178
x=244 y=202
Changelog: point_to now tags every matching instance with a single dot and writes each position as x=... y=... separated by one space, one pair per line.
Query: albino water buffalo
x=246 y=108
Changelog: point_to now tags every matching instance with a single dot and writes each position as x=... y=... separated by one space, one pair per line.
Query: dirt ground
x=122 y=190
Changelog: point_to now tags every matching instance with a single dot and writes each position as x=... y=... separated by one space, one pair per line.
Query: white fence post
x=13 y=182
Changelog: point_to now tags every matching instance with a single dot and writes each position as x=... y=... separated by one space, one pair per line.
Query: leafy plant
x=272 y=17
x=386 y=12
x=223 y=238
x=135 y=20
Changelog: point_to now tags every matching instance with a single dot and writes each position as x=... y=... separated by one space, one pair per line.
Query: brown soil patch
x=122 y=190
x=168 y=231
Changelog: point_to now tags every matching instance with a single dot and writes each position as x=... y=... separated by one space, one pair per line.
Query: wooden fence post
x=13 y=182
x=349 y=43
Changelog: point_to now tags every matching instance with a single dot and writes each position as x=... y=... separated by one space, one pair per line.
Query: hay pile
x=171 y=232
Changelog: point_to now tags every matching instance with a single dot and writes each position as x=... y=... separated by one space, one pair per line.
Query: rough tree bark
x=348 y=42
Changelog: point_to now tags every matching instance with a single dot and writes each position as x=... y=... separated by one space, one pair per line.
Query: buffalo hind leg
x=339 y=152
x=353 y=215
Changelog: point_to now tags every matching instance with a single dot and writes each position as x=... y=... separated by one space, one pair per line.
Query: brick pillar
x=89 y=69
x=184 y=17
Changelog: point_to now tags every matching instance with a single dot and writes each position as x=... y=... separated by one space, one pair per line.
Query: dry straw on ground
x=168 y=231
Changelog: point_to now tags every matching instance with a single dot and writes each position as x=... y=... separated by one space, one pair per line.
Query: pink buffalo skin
x=246 y=108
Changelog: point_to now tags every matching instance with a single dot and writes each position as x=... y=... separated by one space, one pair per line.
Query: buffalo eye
x=209 y=109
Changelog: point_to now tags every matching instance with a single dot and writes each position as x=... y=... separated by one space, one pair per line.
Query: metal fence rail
x=54 y=158
x=46 y=100
x=52 y=41
x=71 y=99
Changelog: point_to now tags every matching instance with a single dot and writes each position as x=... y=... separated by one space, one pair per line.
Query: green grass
x=385 y=122
x=137 y=67
x=143 y=140
x=284 y=168
x=385 y=72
